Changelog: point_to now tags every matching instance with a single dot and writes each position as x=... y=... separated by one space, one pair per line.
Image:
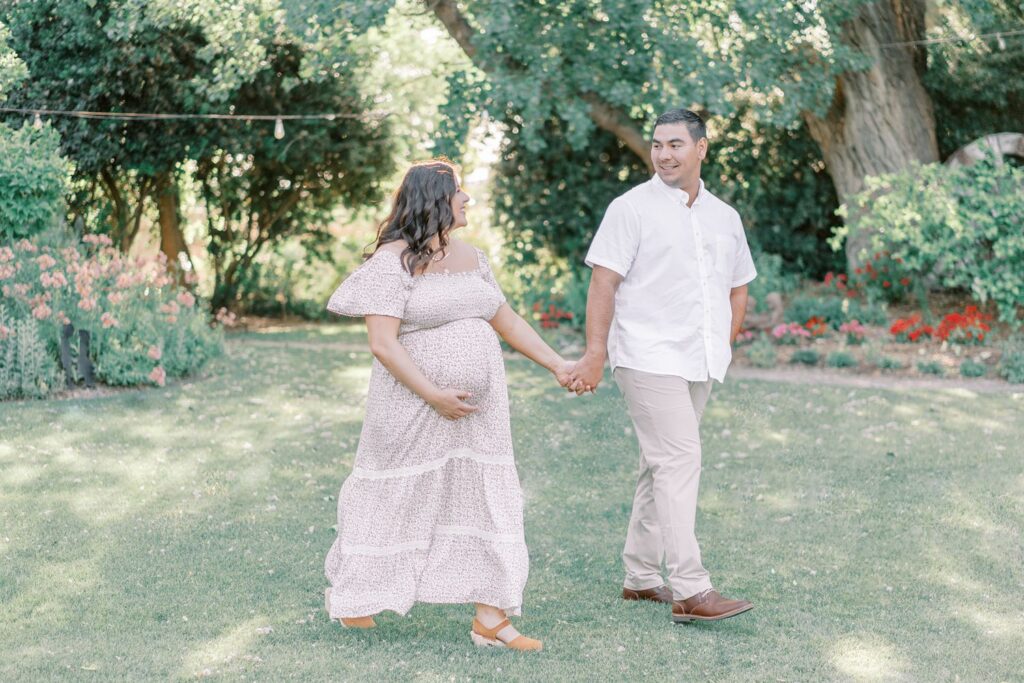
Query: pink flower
x=62 y=319
x=186 y=299
x=87 y=304
x=7 y=271
x=154 y=353
x=25 y=245
x=46 y=261
x=170 y=307
x=158 y=376
x=54 y=279
x=6 y=254
x=225 y=317
x=124 y=280
x=115 y=297
x=42 y=312
x=171 y=319
x=5 y=332
x=109 y=321
x=21 y=289
x=98 y=239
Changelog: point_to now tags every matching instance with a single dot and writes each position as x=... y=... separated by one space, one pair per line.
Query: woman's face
x=459 y=201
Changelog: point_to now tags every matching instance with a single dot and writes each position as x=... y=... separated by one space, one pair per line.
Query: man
x=667 y=298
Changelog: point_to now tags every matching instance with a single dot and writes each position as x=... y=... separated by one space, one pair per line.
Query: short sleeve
x=617 y=240
x=488 y=275
x=744 y=271
x=380 y=286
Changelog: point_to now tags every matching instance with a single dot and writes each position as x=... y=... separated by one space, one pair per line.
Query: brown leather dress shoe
x=707 y=606
x=659 y=594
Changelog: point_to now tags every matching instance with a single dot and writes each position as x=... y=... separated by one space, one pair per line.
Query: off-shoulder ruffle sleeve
x=380 y=286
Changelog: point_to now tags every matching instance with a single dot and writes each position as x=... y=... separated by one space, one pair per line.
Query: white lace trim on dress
x=466 y=453
x=440 y=530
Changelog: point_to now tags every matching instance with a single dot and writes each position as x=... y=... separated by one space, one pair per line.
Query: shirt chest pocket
x=723 y=250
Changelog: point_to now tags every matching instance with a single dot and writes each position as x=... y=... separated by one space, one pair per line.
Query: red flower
x=905 y=281
x=886 y=284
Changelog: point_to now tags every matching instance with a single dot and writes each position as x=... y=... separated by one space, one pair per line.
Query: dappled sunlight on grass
x=175 y=524
x=868 y=659
x=227 y=651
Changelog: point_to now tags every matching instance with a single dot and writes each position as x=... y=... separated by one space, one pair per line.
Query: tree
x=257 y=189
x=849 y=70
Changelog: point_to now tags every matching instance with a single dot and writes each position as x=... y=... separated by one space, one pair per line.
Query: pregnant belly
x=463 y=355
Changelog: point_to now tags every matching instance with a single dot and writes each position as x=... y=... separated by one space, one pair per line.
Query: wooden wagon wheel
x=1001 y=144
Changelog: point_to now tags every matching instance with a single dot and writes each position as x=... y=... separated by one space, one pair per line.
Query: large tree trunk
x=881 y=120
x=172 y=240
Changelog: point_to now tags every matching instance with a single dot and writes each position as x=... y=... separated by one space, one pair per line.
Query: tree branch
x=605 y=115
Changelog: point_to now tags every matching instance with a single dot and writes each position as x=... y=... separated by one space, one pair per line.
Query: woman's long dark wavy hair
x=421 y=208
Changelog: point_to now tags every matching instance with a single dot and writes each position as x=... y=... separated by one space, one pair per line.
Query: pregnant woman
x=433 y=510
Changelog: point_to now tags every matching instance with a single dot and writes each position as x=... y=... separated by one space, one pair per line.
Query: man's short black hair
x=694 y=123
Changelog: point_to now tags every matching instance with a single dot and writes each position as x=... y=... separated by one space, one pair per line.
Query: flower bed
x=142 y=326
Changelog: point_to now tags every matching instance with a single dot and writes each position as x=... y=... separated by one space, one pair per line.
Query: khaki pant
x=666 y=412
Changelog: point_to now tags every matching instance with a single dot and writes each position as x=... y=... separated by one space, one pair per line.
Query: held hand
x=450 y=404
x=587 y=374
x=563 y=373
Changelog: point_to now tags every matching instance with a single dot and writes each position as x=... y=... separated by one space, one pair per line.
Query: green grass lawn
x=181 y=532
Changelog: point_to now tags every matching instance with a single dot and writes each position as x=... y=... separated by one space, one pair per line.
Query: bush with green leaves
x=888 y=363
x=833 y=310
x=33 y=178
x=840 y=359
x=805 y=357
x=972 y=368
x=1011 y=365
x=930 y=367
x=761 y=353
x=770 y=278
x=960 y=226
x=144 y=327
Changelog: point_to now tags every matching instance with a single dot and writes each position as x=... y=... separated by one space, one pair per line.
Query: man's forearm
x=600 y=311
x=738 y=301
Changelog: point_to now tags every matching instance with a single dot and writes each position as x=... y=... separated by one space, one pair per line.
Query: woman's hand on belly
x=450 y=404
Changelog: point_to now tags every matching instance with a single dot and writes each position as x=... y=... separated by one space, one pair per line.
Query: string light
x=279 y=129
x=38 y=123
x=149 y=116
x=998 y=35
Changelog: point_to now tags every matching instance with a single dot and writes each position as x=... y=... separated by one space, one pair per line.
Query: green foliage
x=12 y=69
x=554 y=198
x=32 y=180
x=258 y=190
x=777 y=181
x=770 y=278
x=28 y=368
x=888 y=363
x=972 y=368
x=761 y=353
x=840 y=359
x=973 y=81
x=805 y=357
x=1011 y=365
x=960 y=226
x=930 y=367
x=833 y=310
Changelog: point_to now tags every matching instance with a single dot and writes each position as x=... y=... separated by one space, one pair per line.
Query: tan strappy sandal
x=348 y=622
x=488 y=637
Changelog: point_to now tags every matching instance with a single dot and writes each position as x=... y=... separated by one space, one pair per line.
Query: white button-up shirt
x=679 y=263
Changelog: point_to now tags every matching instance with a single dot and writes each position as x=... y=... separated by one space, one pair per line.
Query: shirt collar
x=680 y=196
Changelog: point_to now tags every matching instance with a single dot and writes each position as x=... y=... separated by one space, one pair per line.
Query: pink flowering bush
x=854 y=332
x=145 y=328
x=790 y=333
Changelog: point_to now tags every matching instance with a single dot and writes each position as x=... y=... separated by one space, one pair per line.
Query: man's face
x=676 y=155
